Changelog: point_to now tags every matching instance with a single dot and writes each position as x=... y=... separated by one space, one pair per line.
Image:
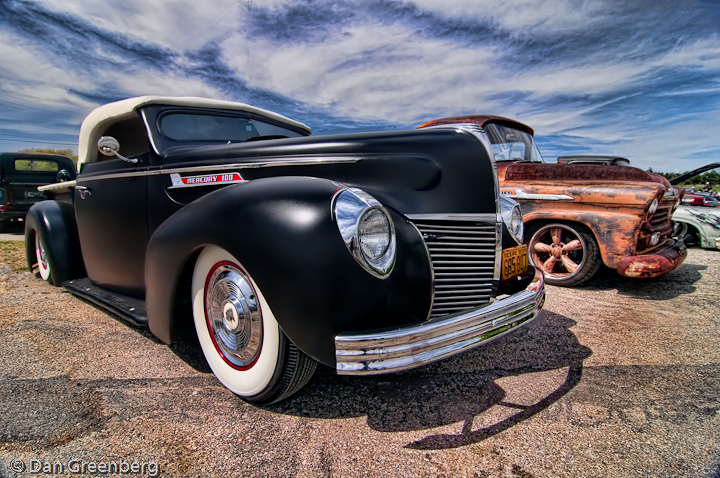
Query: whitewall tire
x=239 y=336
x=41 y=256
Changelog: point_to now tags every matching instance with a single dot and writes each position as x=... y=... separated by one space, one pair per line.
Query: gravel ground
x=616 y=378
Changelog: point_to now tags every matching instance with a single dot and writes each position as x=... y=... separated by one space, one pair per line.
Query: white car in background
x=698 y=224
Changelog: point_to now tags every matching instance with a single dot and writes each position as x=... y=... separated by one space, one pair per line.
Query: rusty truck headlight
x=367 y=230
x=512 y=217
x=653 y=207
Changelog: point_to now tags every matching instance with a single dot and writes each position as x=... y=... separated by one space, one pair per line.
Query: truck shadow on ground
x=460 y=391
x=669 y=286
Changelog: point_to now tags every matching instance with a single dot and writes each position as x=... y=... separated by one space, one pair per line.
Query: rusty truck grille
x=463 y=259
x=658 y=223
x=660 y=219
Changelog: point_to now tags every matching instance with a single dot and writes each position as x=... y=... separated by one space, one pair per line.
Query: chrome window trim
x=223 y=167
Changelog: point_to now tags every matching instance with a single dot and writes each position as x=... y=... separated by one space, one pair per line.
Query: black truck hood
x=415 y=172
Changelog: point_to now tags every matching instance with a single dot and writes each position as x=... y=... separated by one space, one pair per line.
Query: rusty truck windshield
x=510 y=144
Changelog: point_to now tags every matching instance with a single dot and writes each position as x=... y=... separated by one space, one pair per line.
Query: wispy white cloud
x=368 y=71
x=163 y=84
x=574 y=70
x=554 y=16
x=673 y=146
x=28 y=73
x=179 y=25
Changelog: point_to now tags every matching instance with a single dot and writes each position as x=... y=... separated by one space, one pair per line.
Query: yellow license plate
x=514 y=261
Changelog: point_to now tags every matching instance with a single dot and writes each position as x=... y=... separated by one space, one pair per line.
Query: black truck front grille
x=463 y=260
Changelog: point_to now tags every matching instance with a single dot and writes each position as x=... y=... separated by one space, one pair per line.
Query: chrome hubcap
x=233 y=315
x=40 y=253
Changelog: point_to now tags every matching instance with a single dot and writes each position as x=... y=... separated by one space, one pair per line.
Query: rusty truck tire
x=567 y=253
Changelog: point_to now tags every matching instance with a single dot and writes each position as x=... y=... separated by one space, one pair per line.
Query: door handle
x=84 y=191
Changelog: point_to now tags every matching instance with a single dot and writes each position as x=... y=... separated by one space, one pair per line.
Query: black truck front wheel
x=239 y=335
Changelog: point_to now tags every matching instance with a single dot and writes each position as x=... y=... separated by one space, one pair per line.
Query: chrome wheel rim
x=41 y=257
x=558 y=250
x=233 y=315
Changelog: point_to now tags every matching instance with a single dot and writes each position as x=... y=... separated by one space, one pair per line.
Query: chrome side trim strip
x=416 y=345
x=225 y=167
x=520 y=194
x=266 y=164
x=57 y=186
x=133 y=174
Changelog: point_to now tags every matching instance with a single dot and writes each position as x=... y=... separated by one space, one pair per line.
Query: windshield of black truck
x=220 y=128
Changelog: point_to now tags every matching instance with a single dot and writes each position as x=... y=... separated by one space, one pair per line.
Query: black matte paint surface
x=141 y=238
x=112 y=225
x=282 y=232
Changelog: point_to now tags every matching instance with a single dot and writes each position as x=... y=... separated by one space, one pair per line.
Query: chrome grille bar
x=463 y=259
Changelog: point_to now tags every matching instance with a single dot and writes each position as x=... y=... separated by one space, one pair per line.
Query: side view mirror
x=109 y=146
x=64 y=175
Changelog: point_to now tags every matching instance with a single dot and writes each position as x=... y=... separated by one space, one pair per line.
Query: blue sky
x=639 y=79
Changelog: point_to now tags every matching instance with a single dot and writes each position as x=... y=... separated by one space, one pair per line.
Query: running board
x=128 y=308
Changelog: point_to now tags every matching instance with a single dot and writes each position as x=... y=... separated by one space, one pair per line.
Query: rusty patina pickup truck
x=579 y=215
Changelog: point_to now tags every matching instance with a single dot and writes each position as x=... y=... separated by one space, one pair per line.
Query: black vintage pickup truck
x=20 y=176
x=370 y=253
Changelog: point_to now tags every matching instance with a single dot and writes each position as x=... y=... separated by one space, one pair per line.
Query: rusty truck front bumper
x=655 y=263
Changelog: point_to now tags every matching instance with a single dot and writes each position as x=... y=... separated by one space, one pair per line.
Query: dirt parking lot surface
x=616 y=378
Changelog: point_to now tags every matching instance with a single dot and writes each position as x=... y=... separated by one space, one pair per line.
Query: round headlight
x=653 y=206
x=516 y=225
x=512 y=217
x=367 y=230
x=374 y=232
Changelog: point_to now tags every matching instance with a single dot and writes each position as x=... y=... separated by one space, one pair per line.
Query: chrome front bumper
x=416 y=345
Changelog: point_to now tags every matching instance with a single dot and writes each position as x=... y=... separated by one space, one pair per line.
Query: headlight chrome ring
x=367 y=230
x=512 y=217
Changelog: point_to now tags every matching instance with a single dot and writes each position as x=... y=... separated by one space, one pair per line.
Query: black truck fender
x=282 y=231
x=54 y=223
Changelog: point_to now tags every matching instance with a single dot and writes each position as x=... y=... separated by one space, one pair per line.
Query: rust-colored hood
x=565 y=172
